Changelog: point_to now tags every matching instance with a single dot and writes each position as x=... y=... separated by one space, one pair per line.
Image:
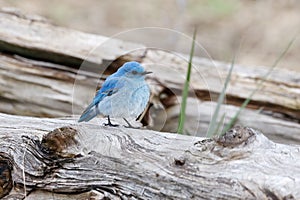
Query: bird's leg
x=129 y=125
x=109 y=123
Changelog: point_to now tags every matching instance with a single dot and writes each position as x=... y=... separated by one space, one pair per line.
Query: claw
x=129 y=125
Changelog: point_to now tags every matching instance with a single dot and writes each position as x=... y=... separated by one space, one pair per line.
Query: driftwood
x=280 y=93
x=82 y=161
x=34 y=37
x=54 y=97
x=277 y=129
x=50 y=71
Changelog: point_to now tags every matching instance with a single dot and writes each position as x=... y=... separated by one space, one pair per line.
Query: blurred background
x=262 y=29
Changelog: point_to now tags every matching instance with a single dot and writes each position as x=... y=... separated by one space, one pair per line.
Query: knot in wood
x=58 y=140
x=179 y=161
x=5 y=176
x=235 y=136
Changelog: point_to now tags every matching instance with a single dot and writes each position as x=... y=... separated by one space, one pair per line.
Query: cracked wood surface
x=35 y=37
x=61 y=85
x=44 y=89
x=280 y=92
x=33 y=34
x=66 y=160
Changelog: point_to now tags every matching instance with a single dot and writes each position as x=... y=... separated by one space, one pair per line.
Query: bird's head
x=133 y=70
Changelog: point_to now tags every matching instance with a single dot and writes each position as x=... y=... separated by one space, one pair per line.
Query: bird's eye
x=134 y=72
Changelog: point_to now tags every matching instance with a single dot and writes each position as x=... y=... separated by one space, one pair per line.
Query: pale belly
x=128 y=103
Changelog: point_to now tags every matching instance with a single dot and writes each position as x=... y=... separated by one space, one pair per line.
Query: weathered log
x=46 y=96
x=39 y=76
x=35 y=38
x=280 y=93
x=276 y=129
x=38 y=88
x=47 y=158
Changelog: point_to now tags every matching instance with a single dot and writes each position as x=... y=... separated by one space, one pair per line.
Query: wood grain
x=280 y=92
x=118 y=163
x=52 y=71
x=35 y=37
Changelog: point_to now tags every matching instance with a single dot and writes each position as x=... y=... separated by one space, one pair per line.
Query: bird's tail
x=89 y=113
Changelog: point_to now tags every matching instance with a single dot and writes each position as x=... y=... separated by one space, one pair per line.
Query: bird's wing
x=109 y=87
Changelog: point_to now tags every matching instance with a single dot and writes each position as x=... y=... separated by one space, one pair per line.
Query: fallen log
x=34 y=37
x=58 y=158
x=279 y=93
x=29 y=88
x=38 y=39
x=276 y=129
x=51 y=71
x=43 y=89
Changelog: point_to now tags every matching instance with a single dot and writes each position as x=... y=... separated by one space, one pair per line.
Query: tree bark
x=58 y=158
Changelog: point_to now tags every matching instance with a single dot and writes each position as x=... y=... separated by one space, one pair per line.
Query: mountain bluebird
x=124 y=94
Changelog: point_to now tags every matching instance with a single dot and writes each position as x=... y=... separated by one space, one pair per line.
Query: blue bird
x=124 y=94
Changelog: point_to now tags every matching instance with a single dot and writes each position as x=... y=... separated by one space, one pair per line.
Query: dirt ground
x=262 y=29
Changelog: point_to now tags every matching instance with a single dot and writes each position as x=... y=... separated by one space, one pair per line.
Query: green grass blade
x=246 y=102
x=212 y=129
x=220 y=123
x=186 y=88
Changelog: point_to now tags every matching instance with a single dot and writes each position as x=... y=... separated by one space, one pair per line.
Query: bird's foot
x=129 y=125
x=109 y=123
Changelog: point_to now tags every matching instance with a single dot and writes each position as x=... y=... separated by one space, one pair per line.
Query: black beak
x=144 y=73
